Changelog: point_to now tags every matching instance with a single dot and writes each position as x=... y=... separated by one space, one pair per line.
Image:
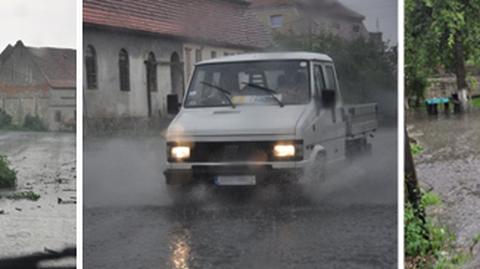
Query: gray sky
x=384 y=10
x=38 y=23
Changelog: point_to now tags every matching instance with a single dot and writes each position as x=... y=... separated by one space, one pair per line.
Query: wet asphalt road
x=130 y=222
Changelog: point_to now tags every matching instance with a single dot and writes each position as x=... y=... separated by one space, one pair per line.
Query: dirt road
x=129 y=221
x=450 y=166
x=45 y=164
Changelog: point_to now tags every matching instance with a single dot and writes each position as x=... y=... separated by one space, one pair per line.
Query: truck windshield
x=249 y=83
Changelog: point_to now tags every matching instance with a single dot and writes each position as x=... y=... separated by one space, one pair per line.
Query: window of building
x=91 y=67
x=58 y=116
x=276 y=21
x=356 y=28
x=152 y=72
x=124 y=70
x=226 y=54
x=213 y=55
x=198 y=55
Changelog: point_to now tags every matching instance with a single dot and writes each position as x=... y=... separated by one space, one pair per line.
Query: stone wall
x=108 y=101
x=445 y=86
x=22 y=104
x=295 y=21
x=61 y=115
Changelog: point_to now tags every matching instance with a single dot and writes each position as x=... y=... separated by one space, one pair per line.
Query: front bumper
x=206 y=171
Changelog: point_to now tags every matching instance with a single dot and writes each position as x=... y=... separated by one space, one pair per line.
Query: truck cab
x=263 y=117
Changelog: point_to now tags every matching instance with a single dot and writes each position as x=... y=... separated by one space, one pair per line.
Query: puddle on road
x=450 y=165
x=130 y=220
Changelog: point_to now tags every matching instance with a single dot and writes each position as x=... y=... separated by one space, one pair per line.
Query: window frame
x=152 y=73
x=91 y=69
x=124 y=70
x=276 y=24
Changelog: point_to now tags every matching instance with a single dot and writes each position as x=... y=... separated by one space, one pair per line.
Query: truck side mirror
x=328 y=97
x=173 y=107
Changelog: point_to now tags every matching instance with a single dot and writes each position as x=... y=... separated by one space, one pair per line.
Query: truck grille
x=236 y=152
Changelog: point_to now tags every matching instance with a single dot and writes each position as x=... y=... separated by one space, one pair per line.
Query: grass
x=430 y=245
x=24 y=195
x=8 y=176
x=475 y=102
x=416 y=149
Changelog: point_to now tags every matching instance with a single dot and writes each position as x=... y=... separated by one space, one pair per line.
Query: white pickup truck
x=263 y=117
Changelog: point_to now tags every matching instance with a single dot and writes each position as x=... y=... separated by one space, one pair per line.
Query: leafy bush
x=34 y=123
x=429 y=245
x=26 y=195
x=8 y=176
x=366 y=69
x=5 y=119
x=416 y=149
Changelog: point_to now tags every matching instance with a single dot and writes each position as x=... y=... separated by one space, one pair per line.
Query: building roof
x=270 y=56
x=332 y=7
x=225 y=22
x=57 y=65
x=5 y=54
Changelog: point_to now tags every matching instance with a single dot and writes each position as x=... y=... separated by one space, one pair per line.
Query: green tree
x=366 y=69
x=440 y=33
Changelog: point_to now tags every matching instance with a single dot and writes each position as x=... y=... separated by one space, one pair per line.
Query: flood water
x=450 y=166
x=130 y=222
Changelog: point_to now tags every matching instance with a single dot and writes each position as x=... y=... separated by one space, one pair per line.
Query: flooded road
x=130 y=222
x=450 y=166
x=45 y=164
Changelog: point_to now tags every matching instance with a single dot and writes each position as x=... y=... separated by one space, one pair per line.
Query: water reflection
x=180 y=249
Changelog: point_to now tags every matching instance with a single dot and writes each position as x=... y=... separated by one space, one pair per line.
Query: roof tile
x=215 y=21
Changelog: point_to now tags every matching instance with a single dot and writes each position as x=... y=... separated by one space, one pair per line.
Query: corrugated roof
x=212 y=21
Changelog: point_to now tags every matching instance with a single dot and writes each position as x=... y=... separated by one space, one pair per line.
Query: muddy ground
x=45 y=164
x=130 y=222
x=450 y=166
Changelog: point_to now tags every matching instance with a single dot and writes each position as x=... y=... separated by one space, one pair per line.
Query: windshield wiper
x=267 y=90
x=221 y=90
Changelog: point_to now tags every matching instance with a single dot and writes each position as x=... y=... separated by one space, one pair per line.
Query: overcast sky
x=38 y=23
x=384 y=10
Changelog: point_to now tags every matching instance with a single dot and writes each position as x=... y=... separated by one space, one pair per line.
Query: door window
x=319 y=80
x=330 y=82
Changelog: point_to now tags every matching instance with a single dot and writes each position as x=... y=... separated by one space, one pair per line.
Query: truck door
x=330 y=126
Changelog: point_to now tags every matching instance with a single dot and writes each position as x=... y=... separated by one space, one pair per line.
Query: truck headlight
x=180 y=152
x=284 y=150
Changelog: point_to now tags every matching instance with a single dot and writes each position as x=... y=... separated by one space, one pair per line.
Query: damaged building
x=310 y=17
x=138 y=52
x=39 y=82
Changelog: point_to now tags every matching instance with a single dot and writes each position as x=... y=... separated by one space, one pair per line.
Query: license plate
x=235 y=180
